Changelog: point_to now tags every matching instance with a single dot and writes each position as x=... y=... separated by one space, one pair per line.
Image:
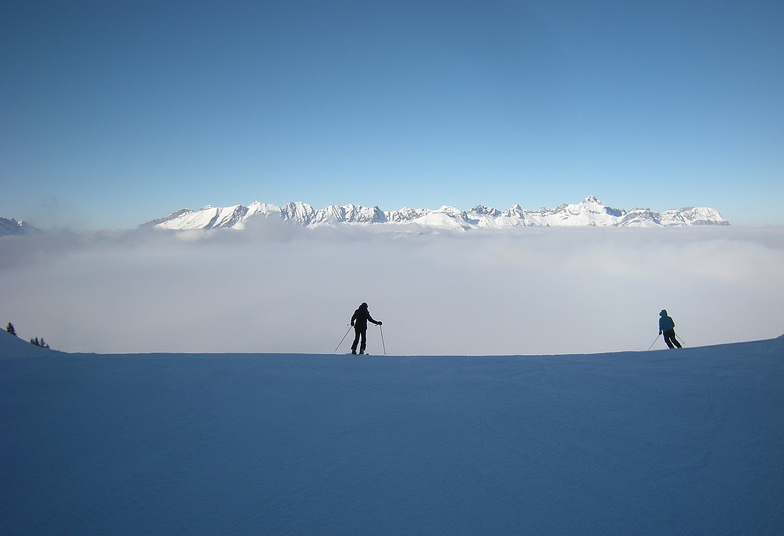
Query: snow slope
x=14 y=347
x=661 y=442
x=589 y=212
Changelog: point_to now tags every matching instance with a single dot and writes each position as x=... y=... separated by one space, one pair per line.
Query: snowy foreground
x=662 y=442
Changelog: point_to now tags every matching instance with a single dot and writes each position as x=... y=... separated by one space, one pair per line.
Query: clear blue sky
x=114 y=113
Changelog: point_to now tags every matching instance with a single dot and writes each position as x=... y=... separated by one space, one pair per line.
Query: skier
x=667 y=327
x=359 y=320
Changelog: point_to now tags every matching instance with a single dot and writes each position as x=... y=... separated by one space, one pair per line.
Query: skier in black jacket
x=667 y=326
x=359 y=320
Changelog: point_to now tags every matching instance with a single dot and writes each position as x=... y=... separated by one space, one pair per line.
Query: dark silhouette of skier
x=667 y=327
x=359 y=320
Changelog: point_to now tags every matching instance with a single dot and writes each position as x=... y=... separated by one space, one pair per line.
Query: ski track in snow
x=716 y=417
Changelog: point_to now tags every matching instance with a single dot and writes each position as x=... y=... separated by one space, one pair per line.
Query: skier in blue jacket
x=667 y=327
x=359 y=320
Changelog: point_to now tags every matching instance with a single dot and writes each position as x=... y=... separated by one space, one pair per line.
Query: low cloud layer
x=281 y=288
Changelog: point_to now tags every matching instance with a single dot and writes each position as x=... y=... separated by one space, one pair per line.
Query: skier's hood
x=663 y=312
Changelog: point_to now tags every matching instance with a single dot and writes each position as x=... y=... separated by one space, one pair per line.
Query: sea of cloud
x=276 y=287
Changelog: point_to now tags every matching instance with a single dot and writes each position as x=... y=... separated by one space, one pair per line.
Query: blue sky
x=115 y=113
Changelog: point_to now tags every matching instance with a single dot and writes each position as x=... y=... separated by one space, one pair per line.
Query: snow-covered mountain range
x=9 y=226
x=589 y=212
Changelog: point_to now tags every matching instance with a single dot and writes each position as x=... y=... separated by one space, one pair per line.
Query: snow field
x=661 y=442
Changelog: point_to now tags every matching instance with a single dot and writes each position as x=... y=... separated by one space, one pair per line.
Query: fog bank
x=281 y=288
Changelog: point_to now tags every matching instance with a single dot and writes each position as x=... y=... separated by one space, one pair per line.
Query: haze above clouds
x=280 y=288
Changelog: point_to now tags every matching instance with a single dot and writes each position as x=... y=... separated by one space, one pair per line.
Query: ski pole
x=680 y=340
x=654 y=341
x=344 y=338
x=382 y=339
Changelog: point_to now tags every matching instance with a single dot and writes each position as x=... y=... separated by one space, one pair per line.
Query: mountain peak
x=590 y=212
x=11 y=227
